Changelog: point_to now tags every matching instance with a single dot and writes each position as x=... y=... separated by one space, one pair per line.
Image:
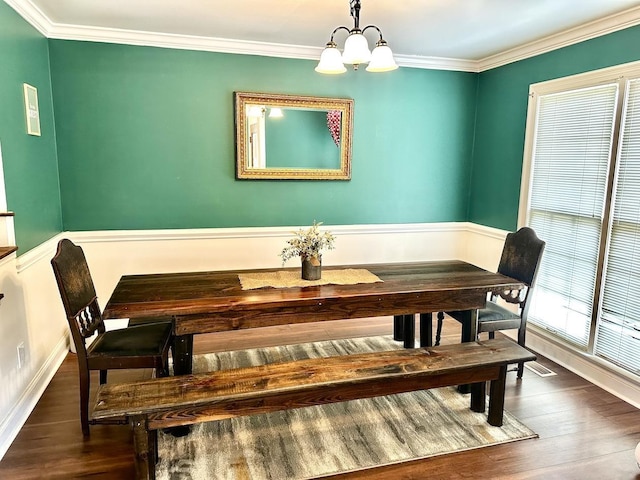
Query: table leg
x=469 y=334
x=469 y=326
x=183 y=351
x=182 y=365
x=426 y=329
x=478 y=397
x=409 y=331
x=398 y=328
x=473 y=325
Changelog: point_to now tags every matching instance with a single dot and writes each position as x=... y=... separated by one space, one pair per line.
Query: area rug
x=323 y=440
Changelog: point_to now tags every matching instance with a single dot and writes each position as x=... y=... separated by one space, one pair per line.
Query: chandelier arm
x=375 y=28
x=337 y=29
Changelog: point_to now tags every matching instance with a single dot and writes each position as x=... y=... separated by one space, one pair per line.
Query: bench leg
x=496 y=398
x=145 y=444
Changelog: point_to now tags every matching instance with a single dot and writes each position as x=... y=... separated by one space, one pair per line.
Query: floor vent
x=540 y=370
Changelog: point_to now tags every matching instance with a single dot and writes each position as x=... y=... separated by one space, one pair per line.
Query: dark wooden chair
x=520 y=259
x=140 y=346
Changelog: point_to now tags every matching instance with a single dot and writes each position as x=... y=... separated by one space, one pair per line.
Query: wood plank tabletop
x=405 y=288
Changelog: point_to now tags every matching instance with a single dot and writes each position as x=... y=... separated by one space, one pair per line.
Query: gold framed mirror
x=292 y=137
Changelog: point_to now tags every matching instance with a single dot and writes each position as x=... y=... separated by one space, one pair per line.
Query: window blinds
x=618 y=333
x=570 y=159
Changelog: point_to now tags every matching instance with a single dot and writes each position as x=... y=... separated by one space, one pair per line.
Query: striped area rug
x=316 y=441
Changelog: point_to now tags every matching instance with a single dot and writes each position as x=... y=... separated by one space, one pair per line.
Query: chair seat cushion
x=495 y=317
x=138 y=341
x=492 y=318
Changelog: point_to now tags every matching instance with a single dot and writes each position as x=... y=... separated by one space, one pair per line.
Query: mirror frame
x=344 y=105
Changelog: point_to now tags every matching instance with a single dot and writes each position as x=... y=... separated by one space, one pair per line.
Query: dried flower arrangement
x=308 y=244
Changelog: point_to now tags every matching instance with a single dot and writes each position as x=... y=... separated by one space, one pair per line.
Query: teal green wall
x=502 y=111
x=145 y=137
x=146 y=140
x=30 y=163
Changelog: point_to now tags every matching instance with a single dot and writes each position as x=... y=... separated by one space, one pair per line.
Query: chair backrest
x=521 y=257
x=77 y=292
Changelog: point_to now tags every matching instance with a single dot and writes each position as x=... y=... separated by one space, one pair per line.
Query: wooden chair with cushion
x=140 y=346
x=520 y=259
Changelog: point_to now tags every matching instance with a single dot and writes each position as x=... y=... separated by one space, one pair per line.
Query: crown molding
x=597 y=28
x=31 y=14
x=239 y=47
x=49 y=29
x=434 y=63
x=181 y=42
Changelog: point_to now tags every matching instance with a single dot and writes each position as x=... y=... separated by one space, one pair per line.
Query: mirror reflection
x=289 y=137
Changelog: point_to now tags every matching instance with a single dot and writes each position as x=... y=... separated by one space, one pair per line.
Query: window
x=618 y=333
x=581 y=194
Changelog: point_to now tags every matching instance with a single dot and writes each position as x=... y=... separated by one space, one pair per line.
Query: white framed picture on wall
x=31 y=109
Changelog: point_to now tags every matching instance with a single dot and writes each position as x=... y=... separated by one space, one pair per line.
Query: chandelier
x=356 y=49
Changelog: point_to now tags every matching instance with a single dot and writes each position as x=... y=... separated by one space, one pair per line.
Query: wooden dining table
x=214 y=301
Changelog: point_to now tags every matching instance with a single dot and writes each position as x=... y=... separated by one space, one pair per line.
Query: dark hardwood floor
x=584 y=432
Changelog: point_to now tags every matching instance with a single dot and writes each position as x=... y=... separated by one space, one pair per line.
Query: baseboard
x=11 y=425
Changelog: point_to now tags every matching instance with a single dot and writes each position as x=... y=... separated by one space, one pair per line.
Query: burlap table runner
x=291 y=278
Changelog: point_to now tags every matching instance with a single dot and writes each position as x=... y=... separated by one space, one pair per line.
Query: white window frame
x=620 y=74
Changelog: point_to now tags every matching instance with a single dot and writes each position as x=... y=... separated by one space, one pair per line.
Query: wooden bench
x=185 y=400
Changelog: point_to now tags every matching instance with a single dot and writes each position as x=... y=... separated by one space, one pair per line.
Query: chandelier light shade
x=331 y=60
x=381 y=59
x=356 y=49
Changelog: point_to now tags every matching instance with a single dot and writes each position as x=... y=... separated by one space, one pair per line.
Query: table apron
x=326 y=309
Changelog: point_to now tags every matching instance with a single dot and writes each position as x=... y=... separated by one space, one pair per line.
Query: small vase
x=311 y=268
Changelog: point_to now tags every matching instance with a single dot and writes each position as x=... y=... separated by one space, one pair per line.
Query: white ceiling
x=430 y=30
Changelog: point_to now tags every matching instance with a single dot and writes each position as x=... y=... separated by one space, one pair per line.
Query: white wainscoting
x=32 y=313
